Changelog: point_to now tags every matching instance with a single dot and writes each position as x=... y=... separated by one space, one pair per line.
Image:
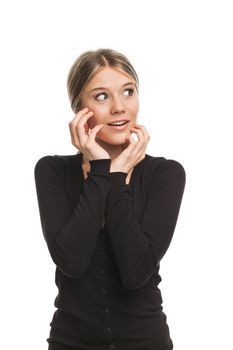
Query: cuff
x=100 y=166
x=118 y=187
x=118 y=178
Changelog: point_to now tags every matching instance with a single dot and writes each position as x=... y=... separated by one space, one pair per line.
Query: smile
x=118 y=125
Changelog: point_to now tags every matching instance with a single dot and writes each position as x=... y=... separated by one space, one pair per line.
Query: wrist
x=116 y=170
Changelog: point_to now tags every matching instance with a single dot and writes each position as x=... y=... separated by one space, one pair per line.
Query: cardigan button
x=103 y=290
x=111 y=346
x=106 y=309
x=102 y=271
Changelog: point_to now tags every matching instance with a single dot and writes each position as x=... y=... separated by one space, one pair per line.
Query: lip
x=119 y=127
x=120 y=120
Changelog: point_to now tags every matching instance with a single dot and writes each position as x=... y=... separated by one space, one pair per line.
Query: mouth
x=119 y=125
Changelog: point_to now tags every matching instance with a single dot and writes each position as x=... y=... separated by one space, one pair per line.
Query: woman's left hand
x=134 y=152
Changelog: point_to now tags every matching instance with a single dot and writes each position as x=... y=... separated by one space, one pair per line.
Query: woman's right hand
x=85 y=140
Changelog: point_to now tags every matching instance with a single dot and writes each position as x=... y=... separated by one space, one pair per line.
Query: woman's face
x=112 y=96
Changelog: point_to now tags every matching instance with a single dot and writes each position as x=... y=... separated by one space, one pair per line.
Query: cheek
x=91 y=122
x=98 y=117
x=134 y=107
x=134 y=114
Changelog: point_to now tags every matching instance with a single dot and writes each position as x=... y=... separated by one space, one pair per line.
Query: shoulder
x=162 y=167
x=57 y=164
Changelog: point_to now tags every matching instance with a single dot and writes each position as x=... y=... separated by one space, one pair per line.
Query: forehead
x=110 y=78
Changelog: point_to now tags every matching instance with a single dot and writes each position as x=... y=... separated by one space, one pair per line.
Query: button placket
x=106 y=310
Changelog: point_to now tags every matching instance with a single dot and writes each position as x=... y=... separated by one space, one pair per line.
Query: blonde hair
x=88 y=64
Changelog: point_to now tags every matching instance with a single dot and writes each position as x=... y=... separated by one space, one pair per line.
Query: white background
x=182 y=52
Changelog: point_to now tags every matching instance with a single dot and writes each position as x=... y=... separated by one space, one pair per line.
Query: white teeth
x=118 y=123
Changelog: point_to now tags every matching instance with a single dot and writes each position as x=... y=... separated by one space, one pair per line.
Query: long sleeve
x=139 y=246
x=71 y=236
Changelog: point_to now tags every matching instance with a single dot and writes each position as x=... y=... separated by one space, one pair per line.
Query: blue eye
x=102 y=93
x=131 y=90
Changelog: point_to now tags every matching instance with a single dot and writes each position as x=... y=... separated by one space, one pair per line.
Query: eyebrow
x=105 y=88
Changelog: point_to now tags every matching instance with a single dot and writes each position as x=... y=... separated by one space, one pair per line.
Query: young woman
x=108 y=214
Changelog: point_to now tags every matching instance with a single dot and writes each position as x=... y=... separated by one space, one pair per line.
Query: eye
x=131 y=91
x=100 y=94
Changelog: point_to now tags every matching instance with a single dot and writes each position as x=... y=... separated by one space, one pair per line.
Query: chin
x=115 y=141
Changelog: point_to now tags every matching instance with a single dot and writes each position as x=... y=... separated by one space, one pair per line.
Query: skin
x=113 y=102
x=90 y=132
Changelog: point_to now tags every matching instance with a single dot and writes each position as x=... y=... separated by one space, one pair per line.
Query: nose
x=117 y=105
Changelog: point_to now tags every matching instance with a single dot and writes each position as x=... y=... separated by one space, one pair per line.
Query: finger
x=134 y=150
x=74 y=136
x=82 y=112
x=75 y=128
x=79 y=114
x=140 y=135
x=131 y=140
x=140 y=146
x=94 y=132
x=82 y=127
x=73 y=123
x=147 y=138
x=144 y=130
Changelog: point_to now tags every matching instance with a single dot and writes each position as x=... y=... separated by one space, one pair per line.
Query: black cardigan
x=107 y=277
